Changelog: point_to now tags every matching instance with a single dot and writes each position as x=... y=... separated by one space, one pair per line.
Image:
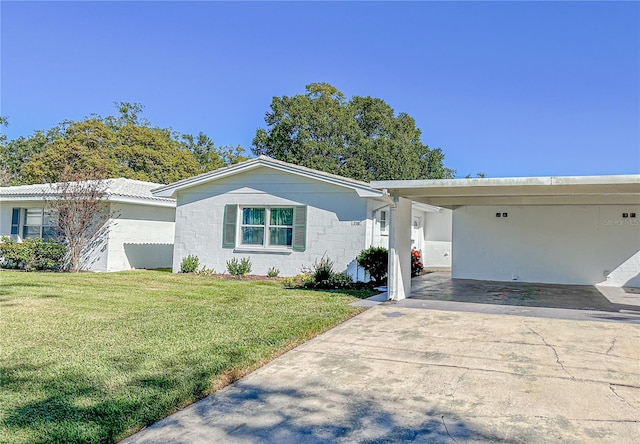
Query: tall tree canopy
x=361 y=138
x=125 y=145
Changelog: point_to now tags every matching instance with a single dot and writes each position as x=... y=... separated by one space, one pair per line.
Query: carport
x=579 y=230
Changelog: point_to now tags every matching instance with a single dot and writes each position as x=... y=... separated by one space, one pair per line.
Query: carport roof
x=564 y=190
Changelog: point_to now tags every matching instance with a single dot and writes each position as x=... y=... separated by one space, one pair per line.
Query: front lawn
x=92 y=357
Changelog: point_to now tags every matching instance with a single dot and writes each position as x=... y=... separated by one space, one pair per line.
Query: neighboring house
x=287 y=217
x=140 y=235
x=561 y=230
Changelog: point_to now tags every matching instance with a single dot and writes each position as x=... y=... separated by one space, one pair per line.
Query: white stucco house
x=140 y=235
x=559 y=230
x=287 y=217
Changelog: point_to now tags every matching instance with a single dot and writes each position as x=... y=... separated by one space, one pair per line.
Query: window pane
x=33 y=216
x=252 y=235
x=49 y=219
x=253 y=216
x=282 y=216
x=31 y=232
x=280 y=236
x=49 y=233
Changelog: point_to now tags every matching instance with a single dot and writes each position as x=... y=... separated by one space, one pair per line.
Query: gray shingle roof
x=117 y=189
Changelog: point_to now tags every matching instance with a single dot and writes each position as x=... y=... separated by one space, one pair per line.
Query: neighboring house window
x=383 y=222
x=265 y=226
x=38 y=223
x=15 y=221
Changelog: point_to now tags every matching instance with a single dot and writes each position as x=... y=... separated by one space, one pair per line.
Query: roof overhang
x=115 y=198
x=569 y=190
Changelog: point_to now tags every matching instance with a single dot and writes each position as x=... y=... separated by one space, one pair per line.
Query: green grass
x=93 y=357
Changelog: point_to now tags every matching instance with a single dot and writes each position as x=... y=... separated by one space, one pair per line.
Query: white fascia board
x=112 y=198
x=508 y=181
x=425 y=207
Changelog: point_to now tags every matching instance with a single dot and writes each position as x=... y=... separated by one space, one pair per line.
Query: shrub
x=416 y=263
x=273 y=272
x=375 y=260
x=189 y=264
x=32 y=254
x=302 y=280
x=339 y=281
x=323 y=276
x=204 y=271
x=322 y=270
x=239 y=268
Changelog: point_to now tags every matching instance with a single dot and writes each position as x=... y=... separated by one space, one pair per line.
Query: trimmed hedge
x=32 y=254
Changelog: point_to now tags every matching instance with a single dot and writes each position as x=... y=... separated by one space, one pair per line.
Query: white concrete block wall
x=336 y=222
x=571 y=244
x=141 y=236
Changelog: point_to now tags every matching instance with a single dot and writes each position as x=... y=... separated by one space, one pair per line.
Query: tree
x=361 y=138
x=81 y=214
x=125 y=145
x=208 y=156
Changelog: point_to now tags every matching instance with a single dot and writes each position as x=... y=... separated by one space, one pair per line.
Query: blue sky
x=506 y=88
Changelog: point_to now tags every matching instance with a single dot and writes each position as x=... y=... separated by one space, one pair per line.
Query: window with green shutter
x=265 y=226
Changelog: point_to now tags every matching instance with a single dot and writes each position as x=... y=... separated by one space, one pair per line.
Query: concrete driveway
x=396 y=373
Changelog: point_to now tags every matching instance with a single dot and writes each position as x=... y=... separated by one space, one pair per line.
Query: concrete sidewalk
x=401 y=374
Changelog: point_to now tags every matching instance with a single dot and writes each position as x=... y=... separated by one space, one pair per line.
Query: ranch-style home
x=139 y=235
x=581 y=230
x=287 y=217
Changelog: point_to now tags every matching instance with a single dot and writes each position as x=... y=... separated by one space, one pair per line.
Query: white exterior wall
x=432 y=237
x=437 y=245
x=5 y=216
x=140 y=236
x=336 y=222
x=572 y=244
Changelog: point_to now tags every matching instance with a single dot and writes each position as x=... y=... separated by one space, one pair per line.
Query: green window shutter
x=15 y=221
x=299 y=242
x=229 y=226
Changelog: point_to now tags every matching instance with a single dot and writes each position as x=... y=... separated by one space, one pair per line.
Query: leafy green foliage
x=125 y=145
x=375 y=261
x=302 y=280
x=204 y=271
x=323 y=276
x=361 y=138
x=189 y=264
x=239 y=268
x=32 y=254
x=273 y=272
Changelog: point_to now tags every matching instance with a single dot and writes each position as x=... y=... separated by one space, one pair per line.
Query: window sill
x=262 y=250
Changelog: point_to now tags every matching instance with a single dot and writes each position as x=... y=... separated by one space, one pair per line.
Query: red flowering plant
x=416 y=263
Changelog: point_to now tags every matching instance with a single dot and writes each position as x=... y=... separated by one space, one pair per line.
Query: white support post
x=399 y=266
